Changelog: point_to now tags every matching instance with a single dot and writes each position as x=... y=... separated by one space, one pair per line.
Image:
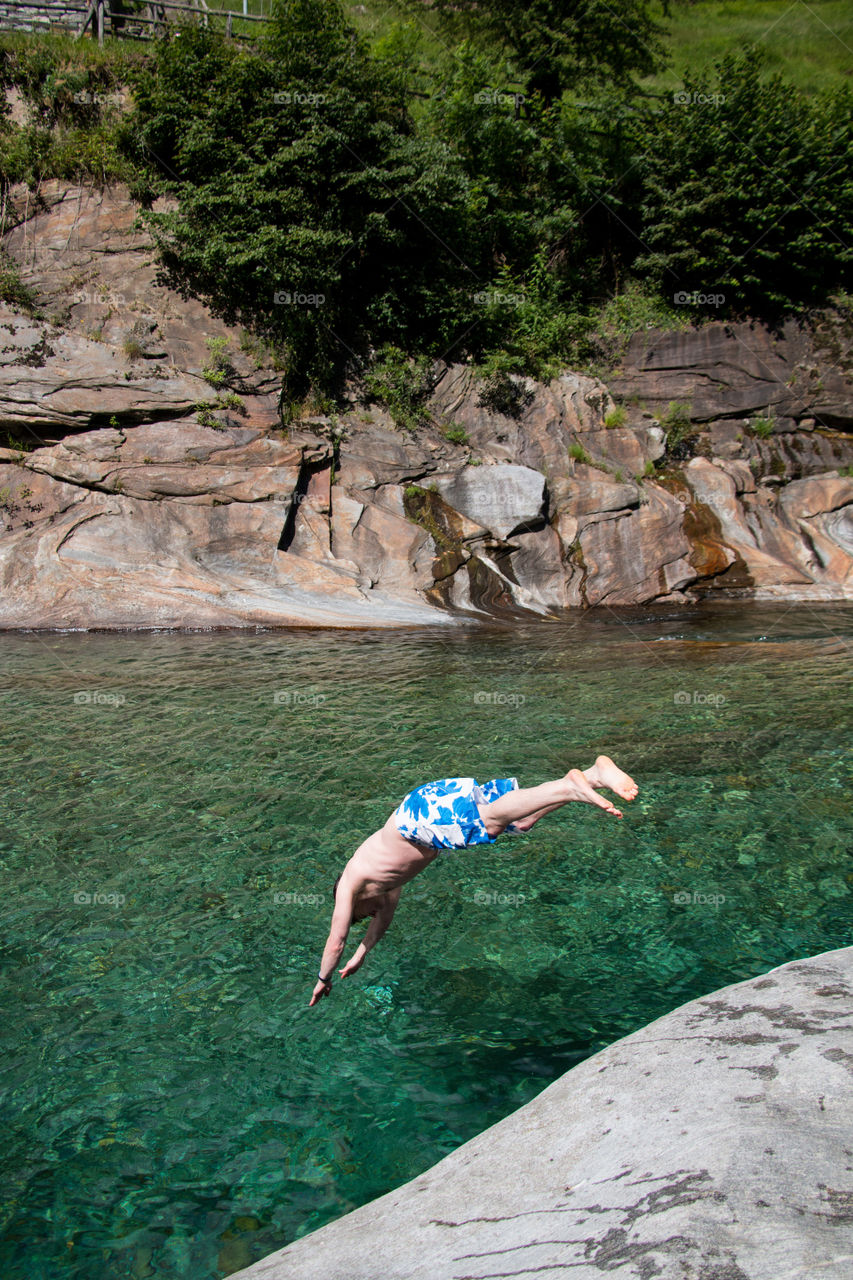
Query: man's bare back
x=386 y=861
x=450 y=814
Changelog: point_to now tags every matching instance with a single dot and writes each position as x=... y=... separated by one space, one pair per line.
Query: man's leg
x=534 y=802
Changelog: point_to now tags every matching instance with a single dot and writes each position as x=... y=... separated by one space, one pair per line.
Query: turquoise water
x=175 y=807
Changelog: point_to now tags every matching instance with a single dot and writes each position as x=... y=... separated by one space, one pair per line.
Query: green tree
x=308 y=207
x=558 y=44
x=747 y=191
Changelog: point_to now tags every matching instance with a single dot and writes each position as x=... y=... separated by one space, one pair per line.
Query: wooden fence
x=120 y=18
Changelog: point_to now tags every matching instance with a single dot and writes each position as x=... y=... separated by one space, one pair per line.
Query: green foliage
x=21 y=447
x=220 y=368
x=680 y=432
x=502 y=388
x=504 y=196
x=262 y=350
x=231 y=401
x=845 y=471
x=12 y=288
x=205 y=416
x=206 y=409
x=634 y=307
x=72 y=101
x=455 y=433
x=616 y=417
x=308 y=207
x=579 y=454
x=133 y=348
x=402 y=385
x=762 y=427
x=556 y=44
x=747 y=193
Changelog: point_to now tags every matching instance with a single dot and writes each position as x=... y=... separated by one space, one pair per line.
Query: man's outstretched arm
x=377 y=928
x=348 y=888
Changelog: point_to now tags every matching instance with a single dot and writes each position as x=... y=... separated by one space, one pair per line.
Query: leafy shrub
x=71 y=96
x=402 y=385
x=205 y=416
x=220 y=368
x=502 y=390
x=680 y=433
x=557 y=45
x=12 y=288
x=455 y=433
x=747 y=192
x=301 y=177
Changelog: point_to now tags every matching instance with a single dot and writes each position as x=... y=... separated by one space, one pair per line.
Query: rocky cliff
x=148 y=481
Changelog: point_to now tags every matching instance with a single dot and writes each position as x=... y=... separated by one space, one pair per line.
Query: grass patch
x=454 y=433
x=762 y=427
x=809 y=44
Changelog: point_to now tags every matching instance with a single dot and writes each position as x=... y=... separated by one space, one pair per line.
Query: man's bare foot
x=604 y=773
x=583 y=791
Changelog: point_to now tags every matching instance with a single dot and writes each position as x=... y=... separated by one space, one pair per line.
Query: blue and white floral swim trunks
x=444 y=814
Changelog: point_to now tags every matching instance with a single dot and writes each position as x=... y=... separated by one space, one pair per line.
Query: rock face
x=798 y=375
x=714 y=1143
x=148 y=481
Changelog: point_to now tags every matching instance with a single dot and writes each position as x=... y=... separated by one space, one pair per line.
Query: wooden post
x=228 y=26
x=90 y=17
x=100 y=21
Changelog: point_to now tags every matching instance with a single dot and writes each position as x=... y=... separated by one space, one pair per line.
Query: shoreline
x=653 y=611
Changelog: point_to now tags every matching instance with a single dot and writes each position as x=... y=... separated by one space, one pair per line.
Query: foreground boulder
x=712 y=1144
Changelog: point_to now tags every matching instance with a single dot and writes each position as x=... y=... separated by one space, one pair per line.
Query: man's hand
x=353 y=965
x=321 y=989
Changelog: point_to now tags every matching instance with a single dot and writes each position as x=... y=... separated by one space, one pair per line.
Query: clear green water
x=171 y=1106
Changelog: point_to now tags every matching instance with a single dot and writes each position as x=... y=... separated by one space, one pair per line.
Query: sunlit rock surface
x=714 y=1144
x=137 y=491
